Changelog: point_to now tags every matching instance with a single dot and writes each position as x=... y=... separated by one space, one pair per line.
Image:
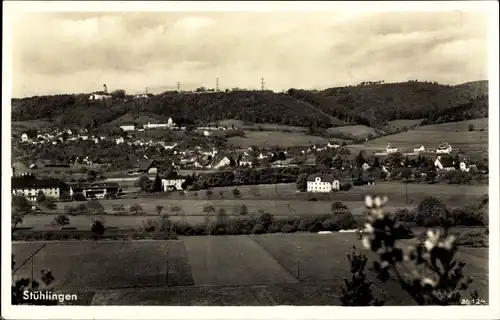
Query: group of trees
x=367 y=104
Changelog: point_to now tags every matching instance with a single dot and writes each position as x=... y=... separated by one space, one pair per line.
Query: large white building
x=172 y=183
x=29 y=187
x=322 y=183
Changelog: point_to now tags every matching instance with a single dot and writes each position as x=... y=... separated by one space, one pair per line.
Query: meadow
x=266 y=139
x=456 y=134
x=214 y=270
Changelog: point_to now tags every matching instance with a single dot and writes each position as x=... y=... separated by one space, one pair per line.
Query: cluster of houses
x=443 y=148
x=29 y=186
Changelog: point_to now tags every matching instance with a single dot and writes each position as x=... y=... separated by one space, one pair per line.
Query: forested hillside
x=369 y=104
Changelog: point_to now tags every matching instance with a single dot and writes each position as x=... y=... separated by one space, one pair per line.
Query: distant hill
x=370 y=104
x=374 y=104
x=475 y=88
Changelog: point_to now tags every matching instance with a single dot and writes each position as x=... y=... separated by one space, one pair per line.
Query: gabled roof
x=146 y=164
x=32 y=182
x=324 y=177
x=446 y=162
x=99 y=185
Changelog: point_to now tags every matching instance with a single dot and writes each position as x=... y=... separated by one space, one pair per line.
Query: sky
x=75 y=52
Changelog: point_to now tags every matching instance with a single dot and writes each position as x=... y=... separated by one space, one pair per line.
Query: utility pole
x=298 y=263
x=217 y=85
x=178 y=86
x=262 y=83
x=167 y=265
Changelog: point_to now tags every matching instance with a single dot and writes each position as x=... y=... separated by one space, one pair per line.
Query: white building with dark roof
x=322 y=183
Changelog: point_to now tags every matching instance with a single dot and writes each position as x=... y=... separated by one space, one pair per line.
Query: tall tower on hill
x=104 y=88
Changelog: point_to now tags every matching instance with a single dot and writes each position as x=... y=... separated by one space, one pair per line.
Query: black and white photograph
x=253 y=154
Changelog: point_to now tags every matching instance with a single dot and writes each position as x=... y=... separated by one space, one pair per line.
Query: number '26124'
x=473 y=302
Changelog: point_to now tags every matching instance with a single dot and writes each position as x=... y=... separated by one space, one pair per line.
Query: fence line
x=30 y=257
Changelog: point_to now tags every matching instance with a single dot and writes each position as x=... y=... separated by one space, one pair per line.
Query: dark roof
x=32 y=182
x=94 y=185
x=324 y=177
x=145 y=164
x=446 y=162
x=101 y=92
x=173 y=177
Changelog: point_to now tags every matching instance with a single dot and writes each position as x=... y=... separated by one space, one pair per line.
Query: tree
x=118 y=94
x=98 y=228
x=21 y=286
x=243 y=210
x=236 y=192
x=159 y=208
x=157 y=186
x=95 y=206
x=302 y=182
x=376 y=163
x=208 y=193
x=360 y=158
x=338 y=207
x=430 y=274
x=221 y=194
x=357 y=291
x=221 y=216
x=136 y=209
x=141 y=181
x=471 y=127
x=265 y=219
x=61 y=220
x=40 y=197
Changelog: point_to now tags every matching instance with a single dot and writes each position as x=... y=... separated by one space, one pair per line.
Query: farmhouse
x=156 y=125
x=147 y=166
x=418 y=150
x=24 y=137
x=390 y=150
x=128 y=127
x=444 y=148
x=365 y=166
x=444 y=163
x=364 y=181
x=223 y=163
x=322 y=183
x=95 y=190
x=29 y=186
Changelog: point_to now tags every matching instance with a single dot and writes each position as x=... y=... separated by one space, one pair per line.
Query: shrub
x=265 y=219
x=97 y=228
x=345 y=221
x=288 y=229
x=236 y=192
x=61 y=220
x=243 y=210
x=330 y=225
x=345 y=186
x=305 y=225
x=258 y=229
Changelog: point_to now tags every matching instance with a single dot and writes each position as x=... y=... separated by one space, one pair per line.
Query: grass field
x=399 y=124
x=455 y=133
x=217 y=270
x=357 y=132
x=264 y=139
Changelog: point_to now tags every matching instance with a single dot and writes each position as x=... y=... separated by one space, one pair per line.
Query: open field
x=232 y=260
x=357 y=132
x=216 y=270
x=401 y=123
x=455 y=133
x=265 y=139
x=276 y=196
